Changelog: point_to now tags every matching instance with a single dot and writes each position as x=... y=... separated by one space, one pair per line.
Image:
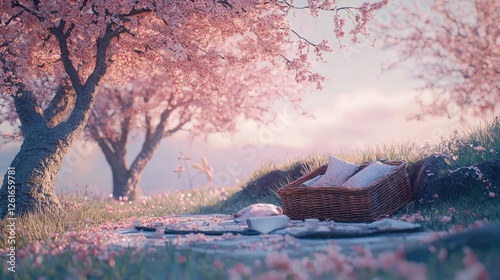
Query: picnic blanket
x=326 y=229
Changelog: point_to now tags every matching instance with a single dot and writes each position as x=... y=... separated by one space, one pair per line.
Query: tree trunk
x=35 y=167
x=125 y=184
x=126 y=179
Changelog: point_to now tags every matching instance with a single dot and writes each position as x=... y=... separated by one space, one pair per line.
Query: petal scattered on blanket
x=257 y=210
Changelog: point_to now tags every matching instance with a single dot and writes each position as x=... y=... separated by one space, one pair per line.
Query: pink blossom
x=443 y=254
x=445 y=219
x=218 y=264
x=470 y=258
x=492 y=151
x=179 y=169
x=412 y=271
x=387 y=260
x=277 y=260
x=491 y=194
x=238 y=271
x=473 y=272
x=366 y=262
x=413 y=28
x=480 y=148
x=181 y=259
x=38 y=260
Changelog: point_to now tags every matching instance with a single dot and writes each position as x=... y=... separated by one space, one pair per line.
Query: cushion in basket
x=369 y=174
x=312 y=181
x=337 y=172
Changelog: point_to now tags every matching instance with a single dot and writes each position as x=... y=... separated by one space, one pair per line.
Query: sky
x=359 y=107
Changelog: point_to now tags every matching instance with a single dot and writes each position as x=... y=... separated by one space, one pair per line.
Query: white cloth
x=257 y=210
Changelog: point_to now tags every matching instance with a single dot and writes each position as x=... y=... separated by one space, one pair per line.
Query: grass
x=465 y=213
x=87 y=217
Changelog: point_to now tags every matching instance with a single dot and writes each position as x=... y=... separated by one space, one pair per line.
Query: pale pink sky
x=358 y=108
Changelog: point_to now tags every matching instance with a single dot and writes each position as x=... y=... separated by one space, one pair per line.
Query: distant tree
x=54 y=54
x=161 y=104
x=455 y=48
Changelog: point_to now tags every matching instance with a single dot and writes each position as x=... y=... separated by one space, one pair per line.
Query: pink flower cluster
x=333 y=263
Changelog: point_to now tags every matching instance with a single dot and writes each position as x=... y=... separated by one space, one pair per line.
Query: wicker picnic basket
x=348 y=204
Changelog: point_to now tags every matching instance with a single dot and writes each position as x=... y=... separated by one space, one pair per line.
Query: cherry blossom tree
x=54 y=54
x=161 y=104
x=454 y=46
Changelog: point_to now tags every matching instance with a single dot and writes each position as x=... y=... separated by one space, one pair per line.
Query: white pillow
x=337 y=172
x=369 y=174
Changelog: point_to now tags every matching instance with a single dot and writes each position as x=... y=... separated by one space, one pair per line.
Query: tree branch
x=100 y=64
x=83 y=5
x=85 y=97
x=125 y=131
x=17 y=4
x=111 y=155
x=225 y=3
x=334 y=9
x=29 y=112
x=61 y=104
x=135 y=11
x=147 y=119
x=178 y=127
x=13 y=17
x=36 y=4
x=152 y=139
x=125 y=105
x=65 y=54
x=149 y=145
x=304 y=39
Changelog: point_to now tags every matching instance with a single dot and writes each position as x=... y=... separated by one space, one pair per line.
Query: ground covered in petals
x=82 y=244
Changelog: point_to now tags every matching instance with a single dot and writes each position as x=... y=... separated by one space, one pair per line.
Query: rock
x=425 y=173
x=432 y=178
x=491 y=171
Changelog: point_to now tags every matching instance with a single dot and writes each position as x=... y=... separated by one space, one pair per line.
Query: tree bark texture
x=35 y=165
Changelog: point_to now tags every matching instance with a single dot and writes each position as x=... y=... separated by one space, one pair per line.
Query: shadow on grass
x=261 y=189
